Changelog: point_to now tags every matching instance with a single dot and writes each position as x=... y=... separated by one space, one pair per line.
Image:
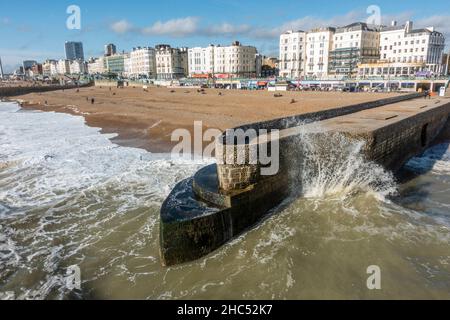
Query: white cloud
x=227 y=29
x=192 y=25
x=174 y=27
x=440 y=22
x=121 y=27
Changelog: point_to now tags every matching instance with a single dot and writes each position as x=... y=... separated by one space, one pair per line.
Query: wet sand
x=146 y=119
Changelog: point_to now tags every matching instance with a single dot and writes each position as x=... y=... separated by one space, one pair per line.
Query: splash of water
x=332 y=164
x=65 y=188
x=435 y=159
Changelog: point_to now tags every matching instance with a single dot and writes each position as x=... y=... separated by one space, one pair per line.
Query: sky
x=37 y=30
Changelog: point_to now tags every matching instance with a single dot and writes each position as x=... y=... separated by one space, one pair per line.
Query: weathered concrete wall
x=190 y=230
x=6 y=92
x=188 y=233
x=393 y=145
x=445 y=134
x=288 y=122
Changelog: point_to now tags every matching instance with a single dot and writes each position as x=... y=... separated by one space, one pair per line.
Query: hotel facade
x=292 y=54
x=405 y=51
x=362 y=50
x=353 y=45
x=201 y=61
x=171 y=63
x=235 y=60
x=142 y=63
x=319 y=44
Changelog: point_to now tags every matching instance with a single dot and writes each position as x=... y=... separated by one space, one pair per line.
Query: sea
x=71 y=199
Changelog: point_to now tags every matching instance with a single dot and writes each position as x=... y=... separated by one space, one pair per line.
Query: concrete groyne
x=222 y=201
x=6 y=92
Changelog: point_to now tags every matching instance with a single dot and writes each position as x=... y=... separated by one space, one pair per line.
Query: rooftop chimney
x=409 y=26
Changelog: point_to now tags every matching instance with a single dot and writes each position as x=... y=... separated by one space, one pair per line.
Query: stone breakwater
x=6 y=92
x=224 y=200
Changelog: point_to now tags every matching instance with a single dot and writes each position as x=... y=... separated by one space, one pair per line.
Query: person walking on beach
x=92 y=101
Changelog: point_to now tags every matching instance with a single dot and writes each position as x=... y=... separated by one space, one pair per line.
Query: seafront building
x=292 y=54
x=74 y=50
x=50 y=68
x=201 y=61
x=35 y=70
x=171 y=63
x=78 y=67
x=116 y=64
x=269 y=67
x=361 y=50
x=319 y=43
x=142 y=63
x=353 y=45
x=357 y=50
x=63 y=66
x=96 y=66
x=235 y=60
x=28 y=64
x=110 y=50
x=405 y=51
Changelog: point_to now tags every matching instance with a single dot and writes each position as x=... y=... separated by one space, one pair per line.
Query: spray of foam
x=328 y=164
x=435 y=159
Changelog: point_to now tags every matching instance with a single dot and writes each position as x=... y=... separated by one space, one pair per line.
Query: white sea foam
x=435 y=159
x=65 y=187
x=46 y=156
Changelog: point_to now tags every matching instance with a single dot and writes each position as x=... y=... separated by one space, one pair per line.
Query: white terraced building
x=354 y=44
x=201 y=60
x=96 y=66
x=235 y=60
x=171 y=63
x=319 y=43
x=63 y=66
x=78 y=67
x=50 y=68
x=224 y=61
x=405 y=51
x=292 y=54
x=142 y=63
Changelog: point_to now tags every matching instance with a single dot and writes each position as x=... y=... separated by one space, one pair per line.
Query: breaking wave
x=435 y=159
x=69 y=196
x=332 y=164
x=65 y=188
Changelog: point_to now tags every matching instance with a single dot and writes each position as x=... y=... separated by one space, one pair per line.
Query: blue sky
x=37 y=29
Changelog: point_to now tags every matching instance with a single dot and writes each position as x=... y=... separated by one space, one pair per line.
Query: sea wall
x=393 y=145
x=6 y=92
x=288 y=122
x=233 y=175
x=223 y=201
